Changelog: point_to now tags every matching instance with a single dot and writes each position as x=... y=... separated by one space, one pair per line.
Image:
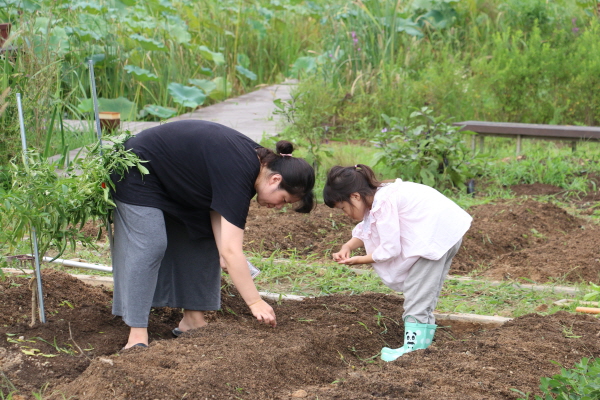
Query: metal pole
x=38 y=274
x=95 y=101
x=99 y=134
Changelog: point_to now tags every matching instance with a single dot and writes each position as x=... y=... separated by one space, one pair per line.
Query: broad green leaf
x=222 y=89
x=304 y=66
x=160 y=6
x=96 y=58
x=148 y=44
x=141 y=74
x=408 y=26
x=258 y=27
x=178 y=31
x=215 y=57
x=243 y=60
x=187 y=96
x=157 y=111
x=246 y=72
x=84 y=35
x=92 y=8
x=205 y=71
x=204 y=84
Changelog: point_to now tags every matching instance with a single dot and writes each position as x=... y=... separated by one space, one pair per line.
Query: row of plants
x=528 y=61
x=509 y=61
x=152 y=59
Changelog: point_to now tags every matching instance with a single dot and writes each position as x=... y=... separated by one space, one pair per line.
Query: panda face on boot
x=410 y=339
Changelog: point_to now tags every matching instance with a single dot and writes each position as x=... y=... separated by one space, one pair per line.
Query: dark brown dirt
x=323 y=348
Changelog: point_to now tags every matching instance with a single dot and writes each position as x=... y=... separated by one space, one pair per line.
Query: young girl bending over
x=410 y=232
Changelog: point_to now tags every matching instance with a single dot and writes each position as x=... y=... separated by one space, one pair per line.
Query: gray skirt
x=156 y=264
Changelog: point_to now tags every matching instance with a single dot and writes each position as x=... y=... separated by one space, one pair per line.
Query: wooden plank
x=544 y=131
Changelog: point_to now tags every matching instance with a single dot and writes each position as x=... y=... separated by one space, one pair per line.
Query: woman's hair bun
x=284 y=147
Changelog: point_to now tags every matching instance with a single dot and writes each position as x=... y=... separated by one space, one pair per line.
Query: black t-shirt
x=195 y=166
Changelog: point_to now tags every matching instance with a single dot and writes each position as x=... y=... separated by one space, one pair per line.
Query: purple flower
x=353 y=34
x=575 y=29
x=384 y=130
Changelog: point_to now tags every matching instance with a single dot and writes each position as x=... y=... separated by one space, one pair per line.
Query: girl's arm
x=229 y=240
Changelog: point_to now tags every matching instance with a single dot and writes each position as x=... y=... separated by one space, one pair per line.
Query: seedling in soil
x=366 y=327
x=66 y=350
x=368 y=359
x=6 y=383
x=230 y=311
x=34 y=352
x=568 y=332
x=381 y=321
x=66 y=303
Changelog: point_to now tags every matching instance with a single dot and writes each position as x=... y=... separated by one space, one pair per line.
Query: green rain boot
x=416 y=337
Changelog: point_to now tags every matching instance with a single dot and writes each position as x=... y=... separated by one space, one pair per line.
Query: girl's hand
x=357 y=260
x=350 y=261
x=264 y=313
x=341 y=255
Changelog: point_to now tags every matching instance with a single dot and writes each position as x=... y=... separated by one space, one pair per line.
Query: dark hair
x=298 y=177
x=343 y=181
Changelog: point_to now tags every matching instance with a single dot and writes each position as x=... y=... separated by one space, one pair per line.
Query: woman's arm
x=229 y=240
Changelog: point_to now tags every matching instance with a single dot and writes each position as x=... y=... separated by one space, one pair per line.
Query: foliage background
x=511 y=60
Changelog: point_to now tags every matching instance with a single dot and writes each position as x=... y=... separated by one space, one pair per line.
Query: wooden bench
x=570 y=133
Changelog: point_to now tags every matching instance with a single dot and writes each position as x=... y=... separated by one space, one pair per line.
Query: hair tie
x=285 y=155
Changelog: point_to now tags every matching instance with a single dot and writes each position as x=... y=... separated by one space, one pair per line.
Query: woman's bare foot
x=137 y=335
x=192 y=319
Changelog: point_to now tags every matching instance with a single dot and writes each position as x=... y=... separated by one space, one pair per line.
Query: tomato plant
x=58 y=203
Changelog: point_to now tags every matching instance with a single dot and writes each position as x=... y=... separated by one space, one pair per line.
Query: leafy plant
x=310 y=138
x=58 y=206
x=594 y=295
x=425 y=149
x=582 y=382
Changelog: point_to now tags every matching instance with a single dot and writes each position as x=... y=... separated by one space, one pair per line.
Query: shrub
x=426 y=149
x=579 y=383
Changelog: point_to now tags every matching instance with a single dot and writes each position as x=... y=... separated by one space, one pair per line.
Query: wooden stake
x=588 y=310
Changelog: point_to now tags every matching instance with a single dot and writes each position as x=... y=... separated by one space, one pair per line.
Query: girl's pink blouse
x=408 y=220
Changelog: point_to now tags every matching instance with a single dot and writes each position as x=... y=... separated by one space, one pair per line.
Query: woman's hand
x=223 y=264
x=264 y=313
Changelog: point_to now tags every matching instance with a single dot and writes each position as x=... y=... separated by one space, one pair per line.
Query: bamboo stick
x=588 y=310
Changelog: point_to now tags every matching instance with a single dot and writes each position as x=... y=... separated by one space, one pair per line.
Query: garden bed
x=324 y=347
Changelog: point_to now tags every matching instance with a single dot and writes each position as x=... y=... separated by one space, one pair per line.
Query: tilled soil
x=322 y=348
